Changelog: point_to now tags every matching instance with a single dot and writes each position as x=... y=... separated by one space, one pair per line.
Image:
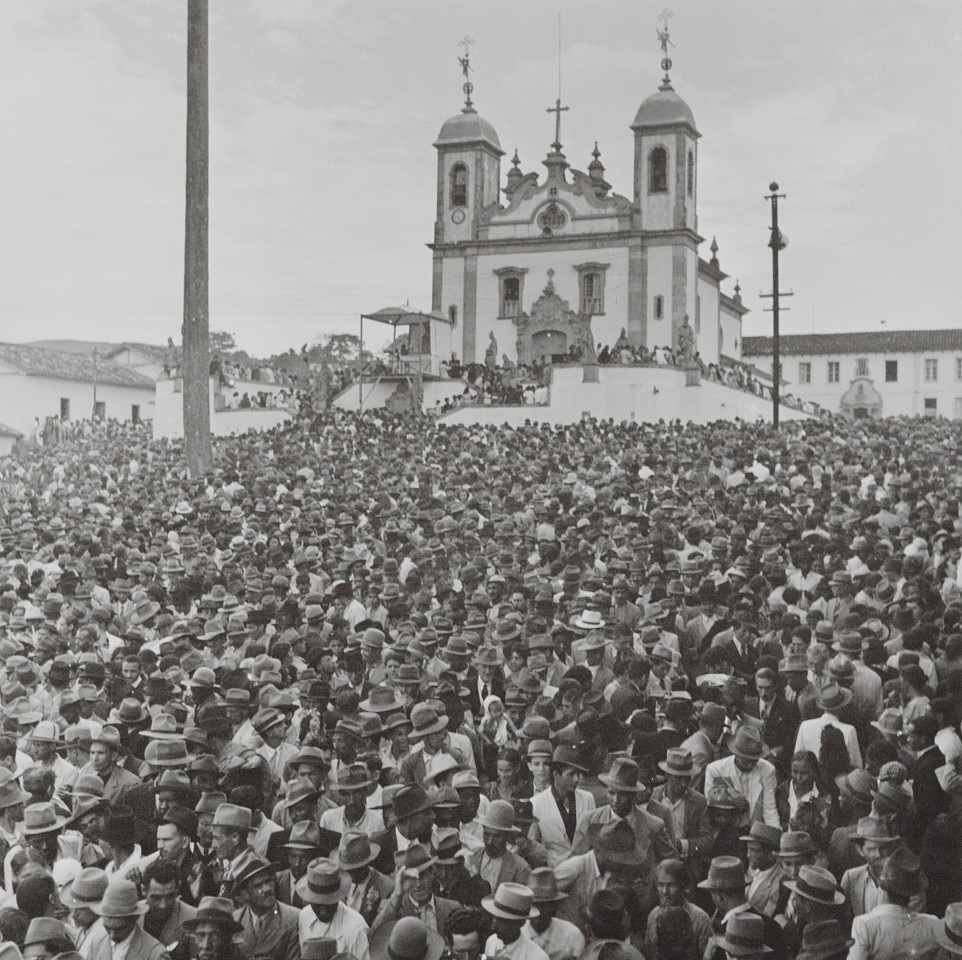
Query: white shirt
x=119 y=951
x=120 y=871
x=347 y=927
x=561 y=941
x=371 y=822
x=521 y=949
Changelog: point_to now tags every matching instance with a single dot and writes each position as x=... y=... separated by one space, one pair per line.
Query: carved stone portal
x=861 y=400
x=552 y=326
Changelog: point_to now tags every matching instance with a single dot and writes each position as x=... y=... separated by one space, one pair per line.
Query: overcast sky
x=323 y=113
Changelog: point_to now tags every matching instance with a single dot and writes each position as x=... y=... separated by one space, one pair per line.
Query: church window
x=931 y=406
x=697 y=314
x=659 y=308
x=553 y=218
x=861 y=367
x=658 y=170
x=931 y=370
x=459 y=185
x=591 y=287
x=833 y=371
x=453 y=313
x=510 y=291
x=691 y=174
x=804 y=372
x=892 y=371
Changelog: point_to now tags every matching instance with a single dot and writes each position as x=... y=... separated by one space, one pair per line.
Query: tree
x=339 y=349
x=222 y=342
x=196 y=327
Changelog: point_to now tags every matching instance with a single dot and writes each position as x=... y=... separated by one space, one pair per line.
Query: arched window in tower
x=459 y=185
x=691 y=174
x=658 y=170
x=659 y=308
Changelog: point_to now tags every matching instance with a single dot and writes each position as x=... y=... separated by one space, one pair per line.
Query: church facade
x=543 y=263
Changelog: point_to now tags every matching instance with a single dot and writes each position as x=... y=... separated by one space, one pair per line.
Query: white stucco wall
x=23 y=398
x=645 y=394
x=169 y=416
x=904 y=397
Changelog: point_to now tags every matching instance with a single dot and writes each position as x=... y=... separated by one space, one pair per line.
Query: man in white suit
x=559 y=808
x=748 y=775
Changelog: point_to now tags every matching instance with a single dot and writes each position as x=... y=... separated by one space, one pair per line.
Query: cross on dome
x=665 y=40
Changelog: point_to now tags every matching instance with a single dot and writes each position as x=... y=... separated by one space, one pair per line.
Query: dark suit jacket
x=697 y=829
x=444 y=908
x=496 y=687
x=930 y=798
x=781 y=725
x=275 y=939
x=285 y=891
x=387 y=841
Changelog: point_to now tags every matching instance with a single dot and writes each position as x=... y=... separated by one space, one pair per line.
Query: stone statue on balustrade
x=686 y=343
x=491 y=354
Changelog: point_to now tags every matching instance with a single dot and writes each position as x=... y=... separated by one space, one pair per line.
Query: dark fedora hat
x=118 y=825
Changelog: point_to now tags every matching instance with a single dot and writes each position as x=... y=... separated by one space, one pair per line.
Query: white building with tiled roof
x=36 y=383
x=870 y=374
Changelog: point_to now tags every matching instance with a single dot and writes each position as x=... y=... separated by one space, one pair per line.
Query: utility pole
x=778 y=241
x=93 y=416
x=196 y=326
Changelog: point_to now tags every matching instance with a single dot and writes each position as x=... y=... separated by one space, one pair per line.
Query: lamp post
x=777 y=242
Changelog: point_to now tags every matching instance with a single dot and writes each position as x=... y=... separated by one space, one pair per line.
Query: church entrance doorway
x=549 y=345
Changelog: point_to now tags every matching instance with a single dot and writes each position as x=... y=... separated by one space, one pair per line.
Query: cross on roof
x=557 y=110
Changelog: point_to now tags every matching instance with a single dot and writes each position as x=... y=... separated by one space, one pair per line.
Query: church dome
x=468 y=127
x=663 y=108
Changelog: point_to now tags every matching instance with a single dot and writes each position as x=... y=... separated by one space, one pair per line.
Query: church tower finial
x=665 y=41
x=465 y=62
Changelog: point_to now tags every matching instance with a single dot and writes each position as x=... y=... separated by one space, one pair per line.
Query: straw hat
x=406 y=939
x=120 y=900
x=818 y=885
x=511 y=901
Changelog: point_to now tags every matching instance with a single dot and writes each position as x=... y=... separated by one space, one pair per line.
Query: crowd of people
x=383 y=688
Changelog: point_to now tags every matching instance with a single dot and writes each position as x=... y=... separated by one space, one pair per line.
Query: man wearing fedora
x=323 y=888
x=42 y=744
x=369 y=887
x=876 y=843
x=703 y=743
x=413 y=895
x=893 y=930
x=813 y=896
x=560 y=939
x=270 y=928
x=765 y=870
x=303 y=845
x=748 y=775
x=231 y=831
x=831 y=700
x=614 y=861
x=412 y=811
x=559 y=809
x=452 y=880
x=352 y=786
x=688 y=810
x=726 y=884
x=106 y=750
x=213 y=929
x=494 y=862
x=780 y=718
x=511 y=906
x=625 y=790
x=122 y=936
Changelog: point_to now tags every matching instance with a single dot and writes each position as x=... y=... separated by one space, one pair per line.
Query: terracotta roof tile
x=869 y=341
x=60 y=365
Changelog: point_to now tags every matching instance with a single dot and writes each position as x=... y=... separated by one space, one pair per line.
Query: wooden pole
x=196 y=327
